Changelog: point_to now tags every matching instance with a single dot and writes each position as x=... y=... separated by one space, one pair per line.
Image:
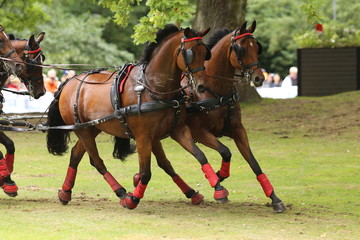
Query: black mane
x=160 y=35
x=215 y=38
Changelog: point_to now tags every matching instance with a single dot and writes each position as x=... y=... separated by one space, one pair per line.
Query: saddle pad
x=118 y=85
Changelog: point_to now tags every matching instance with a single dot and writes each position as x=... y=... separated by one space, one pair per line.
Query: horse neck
x=219 y=68
x=162 y=72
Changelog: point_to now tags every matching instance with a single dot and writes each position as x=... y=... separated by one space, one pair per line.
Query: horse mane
x=11 y=36
x=160 y=35
x=215 y=38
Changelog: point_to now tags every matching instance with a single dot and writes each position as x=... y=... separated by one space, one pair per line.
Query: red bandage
x=70 y=179
x=225 y=169
x=181 y=184
x=265 y=184
x=140 y=190
x=10 y=161
x=210 y=174
x=4 y=172
x=112 y=182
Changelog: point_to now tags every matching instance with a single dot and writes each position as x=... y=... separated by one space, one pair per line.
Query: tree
x=22 y=15
x=229 y=14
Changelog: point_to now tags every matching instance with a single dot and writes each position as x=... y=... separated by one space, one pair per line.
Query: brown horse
x=30 y=54
x=215 y=111
x=152 y=108
x=7 y=51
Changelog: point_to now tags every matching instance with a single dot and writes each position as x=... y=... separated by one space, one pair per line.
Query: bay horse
x=236 y=50
x=215 y=110
x=152 y=107
x=29 y=53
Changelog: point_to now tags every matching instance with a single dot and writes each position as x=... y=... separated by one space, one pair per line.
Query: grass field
x=308 y=147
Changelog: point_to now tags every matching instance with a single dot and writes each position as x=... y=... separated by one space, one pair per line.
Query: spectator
x=268 y=81
x=291 y=79
x=277 y=80
x=67 y=74
x=51 y=82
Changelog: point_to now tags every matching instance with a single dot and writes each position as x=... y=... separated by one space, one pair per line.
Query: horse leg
x=143 y=146
x=184 y=138
x=164 y=163
x=208 y=139
x=242 y=143
x=10 y=150
x=77 y=152
x=87 y=137
x=8 y=185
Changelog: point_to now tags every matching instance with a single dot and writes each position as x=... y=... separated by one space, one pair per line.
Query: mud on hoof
x=64 y=197
x=279 y=207
x=129 y=202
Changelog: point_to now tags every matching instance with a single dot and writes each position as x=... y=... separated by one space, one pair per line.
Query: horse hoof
x=136 y=179
x=221 y=195
x=129 y=202
x=64 y=197
x=197 y=199
x=279 y=207
x=10 y=190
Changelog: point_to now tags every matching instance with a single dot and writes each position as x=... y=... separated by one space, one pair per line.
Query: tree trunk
x=220 y=14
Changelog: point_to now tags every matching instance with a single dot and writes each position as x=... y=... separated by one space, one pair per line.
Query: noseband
x=245 y=72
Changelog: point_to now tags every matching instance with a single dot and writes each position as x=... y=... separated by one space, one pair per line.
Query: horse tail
x=123 y=147
x=57 y=139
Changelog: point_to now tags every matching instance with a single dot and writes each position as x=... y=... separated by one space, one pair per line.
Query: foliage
x=22 y=15
x=340 y=32
x=311 y=9
x=333 y=35
x=77 y=37
x=160 y=13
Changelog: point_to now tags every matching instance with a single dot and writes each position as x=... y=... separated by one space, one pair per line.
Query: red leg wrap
x=140 y=190
x=112 y=181
x=69 y=179
x=127 y=202
x=225 y=169
x=9 y=189
x=181 y=184
x=136 y=179
x=4 y=172
x=197 y=199
x=10 y=161
x=210 y=174
x=221 y=194
x=265 y=184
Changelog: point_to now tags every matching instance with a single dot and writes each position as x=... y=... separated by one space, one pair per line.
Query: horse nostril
x=201 y=88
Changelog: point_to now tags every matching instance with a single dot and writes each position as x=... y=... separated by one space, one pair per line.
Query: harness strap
x=9 y=53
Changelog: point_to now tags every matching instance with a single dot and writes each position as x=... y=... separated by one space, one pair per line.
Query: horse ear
x=40 y=37
x=243 y=28
x=204 y=32
x=31 y=40
x=253 y=26
x=187 y=32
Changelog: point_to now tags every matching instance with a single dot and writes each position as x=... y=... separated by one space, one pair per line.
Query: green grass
x=308 y=147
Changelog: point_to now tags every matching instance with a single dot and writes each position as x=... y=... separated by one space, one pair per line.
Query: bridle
x=245 y=71
x=6 y=55
x=188 y=57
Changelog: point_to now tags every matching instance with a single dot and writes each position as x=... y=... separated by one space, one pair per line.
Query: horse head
x=245 y=50
x=31 y=53
x=191 y=56
x=15 y=67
